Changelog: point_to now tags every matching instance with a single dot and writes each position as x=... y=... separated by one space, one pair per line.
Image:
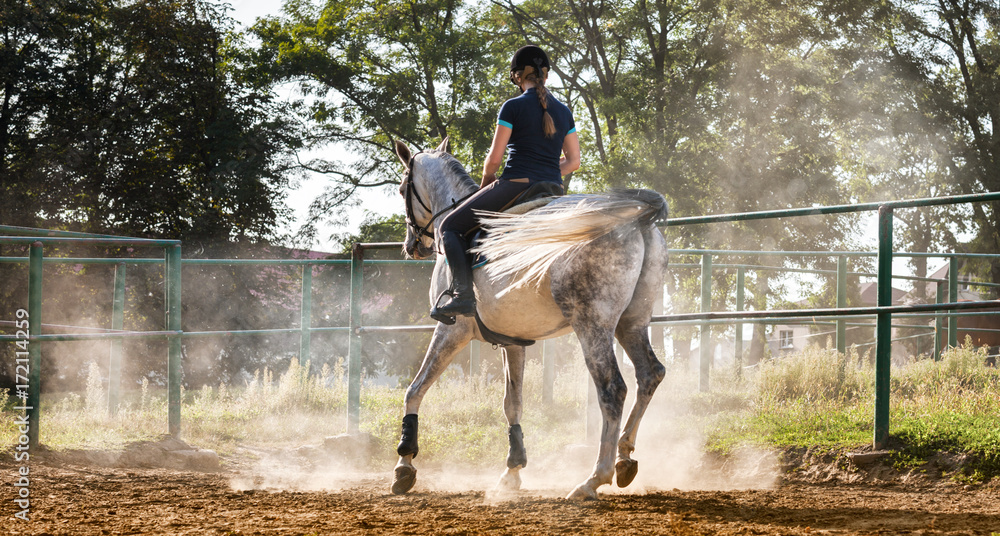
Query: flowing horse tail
x=524 y=246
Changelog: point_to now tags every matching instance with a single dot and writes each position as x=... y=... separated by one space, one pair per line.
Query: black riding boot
x=463 y=297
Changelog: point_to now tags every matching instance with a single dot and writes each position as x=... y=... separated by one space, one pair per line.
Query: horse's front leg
x=517 y=457
x=445 y=343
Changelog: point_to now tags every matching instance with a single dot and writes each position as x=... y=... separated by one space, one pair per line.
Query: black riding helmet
x=529 y=55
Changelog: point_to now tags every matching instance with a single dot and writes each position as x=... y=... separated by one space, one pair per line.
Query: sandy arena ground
x=81 y=499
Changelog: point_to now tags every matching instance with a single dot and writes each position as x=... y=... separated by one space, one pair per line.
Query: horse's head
x=416 y=189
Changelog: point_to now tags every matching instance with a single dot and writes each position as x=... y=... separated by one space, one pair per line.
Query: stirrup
x=436 y=314
x=449 y=318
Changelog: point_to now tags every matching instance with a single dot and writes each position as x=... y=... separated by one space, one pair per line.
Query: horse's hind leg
x=599 y=354
x=517 y=457
x=445 y=343
x=649 y=373
x=632 y=332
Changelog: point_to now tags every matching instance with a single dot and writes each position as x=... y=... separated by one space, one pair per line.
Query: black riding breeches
x=495 y=197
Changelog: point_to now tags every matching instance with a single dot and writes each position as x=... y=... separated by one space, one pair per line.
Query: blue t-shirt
x=529 y=153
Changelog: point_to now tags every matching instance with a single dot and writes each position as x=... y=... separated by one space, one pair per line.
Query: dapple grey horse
x=592 y=264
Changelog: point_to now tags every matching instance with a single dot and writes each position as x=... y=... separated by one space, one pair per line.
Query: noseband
x=411 y=194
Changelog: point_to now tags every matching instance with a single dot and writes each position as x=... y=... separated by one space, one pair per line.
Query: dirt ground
x=79 y=498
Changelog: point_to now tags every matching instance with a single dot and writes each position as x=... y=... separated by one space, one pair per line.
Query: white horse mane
x=435 y=165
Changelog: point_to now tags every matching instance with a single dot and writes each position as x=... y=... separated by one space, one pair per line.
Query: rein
x=411 y=192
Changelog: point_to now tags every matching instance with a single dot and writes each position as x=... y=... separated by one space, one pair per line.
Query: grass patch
x=824 y=399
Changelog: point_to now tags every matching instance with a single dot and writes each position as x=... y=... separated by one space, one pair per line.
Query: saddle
x=537 y=195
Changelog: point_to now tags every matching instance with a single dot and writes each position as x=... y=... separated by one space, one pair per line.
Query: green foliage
x=131 y=119
x=375 y=228
x=375 y=71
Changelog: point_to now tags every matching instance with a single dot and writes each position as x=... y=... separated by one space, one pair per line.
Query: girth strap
x=499 y=339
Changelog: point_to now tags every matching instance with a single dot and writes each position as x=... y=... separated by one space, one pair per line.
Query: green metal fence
x=36 y=259
x=173 y=263
x=883 y=311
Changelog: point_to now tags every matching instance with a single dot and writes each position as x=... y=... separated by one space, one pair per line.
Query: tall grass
x=462 y=419
x=818 y=398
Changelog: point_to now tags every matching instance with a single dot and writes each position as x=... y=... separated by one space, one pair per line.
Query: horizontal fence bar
x=220 y=333
x=404 y=329
x=289 y=262
x=95 y=241
x=30 y=231
x=748 y=252
x=64 y=326
x=835 y=209
x=95 y=336
x=789 y=321
x=381 y=245
x=114 y=334
x=805 y=313
x=81 y=260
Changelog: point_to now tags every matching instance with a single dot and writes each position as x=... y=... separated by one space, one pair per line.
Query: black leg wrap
x=516 y=456
x=408 y=441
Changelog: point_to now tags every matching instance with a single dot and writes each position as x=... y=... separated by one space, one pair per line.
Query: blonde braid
x=548 y=126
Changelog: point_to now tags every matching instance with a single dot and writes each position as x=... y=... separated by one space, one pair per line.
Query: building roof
x=869 y=294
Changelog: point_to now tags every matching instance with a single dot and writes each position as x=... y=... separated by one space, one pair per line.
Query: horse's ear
x=444 y=145
x=403 y=152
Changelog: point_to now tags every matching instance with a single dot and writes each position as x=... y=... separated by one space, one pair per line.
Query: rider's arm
x=495 y=156
x=570 y=161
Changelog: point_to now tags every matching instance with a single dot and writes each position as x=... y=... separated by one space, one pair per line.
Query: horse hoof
x=583 y=492
x=625 y=471
x=404 y=477
x=510 y=481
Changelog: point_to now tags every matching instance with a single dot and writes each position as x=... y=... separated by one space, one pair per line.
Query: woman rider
x=540 y=136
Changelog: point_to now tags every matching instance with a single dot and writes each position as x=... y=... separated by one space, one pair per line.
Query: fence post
x=883 y=329
x=354 y=345
x=740 y=283
x=305 y=322
x=174 y=371
x=117 y=322
x=938 y=321
x=706 y=330
x=841 y=303
x=475 y=358
x=548 y=371
x=953 y=297
x=658 y=332
x=34 y=402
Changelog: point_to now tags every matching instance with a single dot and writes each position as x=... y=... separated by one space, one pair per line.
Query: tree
x=949 y=50
x=139 y=124
x=29 y=37
x=373 y=71
x=133 y=118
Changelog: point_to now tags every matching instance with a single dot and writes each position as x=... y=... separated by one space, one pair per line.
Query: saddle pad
x=529 y=205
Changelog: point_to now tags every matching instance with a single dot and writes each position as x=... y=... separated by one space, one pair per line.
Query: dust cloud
x=670 y=450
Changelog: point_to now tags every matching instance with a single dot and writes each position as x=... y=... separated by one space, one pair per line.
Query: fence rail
x=173 y=263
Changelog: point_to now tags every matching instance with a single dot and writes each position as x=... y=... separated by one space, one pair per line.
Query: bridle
x=410 y=192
